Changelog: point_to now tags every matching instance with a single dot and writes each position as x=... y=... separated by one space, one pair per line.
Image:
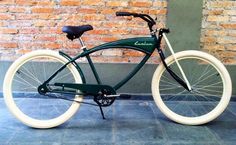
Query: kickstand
x=101 y=111
x=100 y=107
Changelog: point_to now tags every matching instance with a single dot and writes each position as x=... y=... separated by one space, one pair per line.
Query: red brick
x=8 y=31
x=71 y=45
x=23 y=37
x=158 y=12
x=226 y=40
x=154 y=60
x=42 y=10
x=2 y=24
x=23 y=51
x=44 y=23
x=17 y=9
x=217 y=18
x=216 y=33
x=108 y=11
x=45 y=3
x=229 y=25
x=97 y=54
x=107 y=59
x=26 y=2
x=93 y=2
x=51 y=30
x=112 y=52
x=231 y=47
x=214 y=47
x=108 y=38
x=5 y=16
x=93 y=17
x=87 y=10
x=53 y=45
x=46 y=16
x=160 y=4
x=140 y=32
x=8 y=44
x=99 y=32
x=20 y=23
x=119 y=31
x=3 y=9
x=45 y=38
x=29 y=30
x=30 y=45
x=216 y=12
x=221 y=4
x=209 y=39
x=140 y=4
x=133 y=53
x=117 y=4
x=6 y=2
x=65 y=10
x=70 y=3
x=110 y=24
x=23 y=16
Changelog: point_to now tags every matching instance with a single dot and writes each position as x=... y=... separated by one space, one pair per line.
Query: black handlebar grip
x=123 y=14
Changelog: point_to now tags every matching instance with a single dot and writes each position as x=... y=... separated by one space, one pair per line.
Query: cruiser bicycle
x=53 y=85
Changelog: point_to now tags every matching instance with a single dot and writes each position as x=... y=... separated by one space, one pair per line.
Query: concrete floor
x=129 y=122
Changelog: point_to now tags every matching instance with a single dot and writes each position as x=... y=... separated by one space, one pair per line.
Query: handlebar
x=125 y=14
x=145 y=17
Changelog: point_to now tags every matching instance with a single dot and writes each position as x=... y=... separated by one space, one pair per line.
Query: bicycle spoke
x=21 y=79
x=31 y=74
x=205 y=78
x=203 y=73
x=61 y=77
x=216 y=85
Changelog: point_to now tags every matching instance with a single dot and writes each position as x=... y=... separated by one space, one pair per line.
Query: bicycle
x=53 y=85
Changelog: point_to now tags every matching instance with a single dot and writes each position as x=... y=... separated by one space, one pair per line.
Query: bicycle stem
x=177 y=62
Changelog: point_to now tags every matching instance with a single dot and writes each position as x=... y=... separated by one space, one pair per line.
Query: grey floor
x=129 y=122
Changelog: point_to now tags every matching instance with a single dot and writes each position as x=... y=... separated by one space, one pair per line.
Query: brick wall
x=219 y=29
x=27 y=25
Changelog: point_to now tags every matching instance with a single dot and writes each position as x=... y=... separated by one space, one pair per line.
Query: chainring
x=102 y=100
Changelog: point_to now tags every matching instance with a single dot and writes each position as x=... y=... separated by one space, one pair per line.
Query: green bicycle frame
x=145 y=45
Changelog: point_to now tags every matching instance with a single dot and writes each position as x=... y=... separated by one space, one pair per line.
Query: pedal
x=125 y=96
x=112 y=96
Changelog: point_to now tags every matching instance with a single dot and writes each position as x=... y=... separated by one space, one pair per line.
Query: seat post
x=82 y=43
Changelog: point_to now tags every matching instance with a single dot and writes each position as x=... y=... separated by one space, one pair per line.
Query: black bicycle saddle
x=74 y=32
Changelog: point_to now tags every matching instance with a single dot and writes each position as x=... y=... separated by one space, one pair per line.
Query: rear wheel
x=211 y=88
x=21 y=89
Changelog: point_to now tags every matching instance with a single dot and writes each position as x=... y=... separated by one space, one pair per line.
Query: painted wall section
x=184 y=20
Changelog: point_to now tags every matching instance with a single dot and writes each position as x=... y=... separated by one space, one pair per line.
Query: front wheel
x=211 y=88
x=21 y=84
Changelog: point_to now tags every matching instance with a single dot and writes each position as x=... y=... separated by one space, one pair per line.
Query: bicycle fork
x=185 y=83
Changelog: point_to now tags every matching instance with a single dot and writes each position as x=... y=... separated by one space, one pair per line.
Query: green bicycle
x=53 y=85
